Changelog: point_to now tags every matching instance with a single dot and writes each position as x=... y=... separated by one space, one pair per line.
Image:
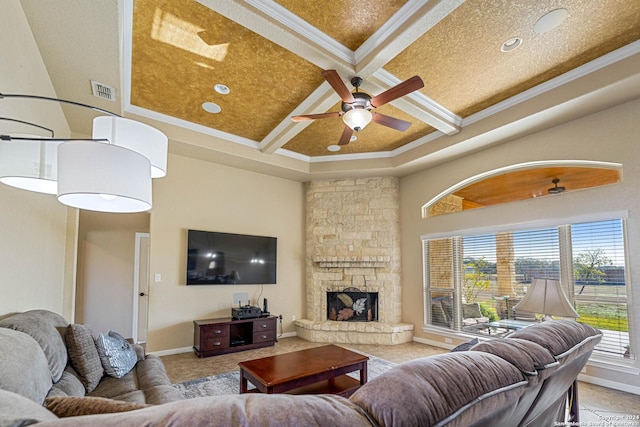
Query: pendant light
x=103 y=177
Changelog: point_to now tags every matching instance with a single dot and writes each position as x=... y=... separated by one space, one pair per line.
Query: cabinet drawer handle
x=264 y=337
x=217 y=331
x=264 y=326
x=217 y=343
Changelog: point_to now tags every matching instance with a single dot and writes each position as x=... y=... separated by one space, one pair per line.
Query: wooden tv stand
x=212 y=337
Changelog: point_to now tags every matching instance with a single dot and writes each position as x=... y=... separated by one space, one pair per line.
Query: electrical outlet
x=293 y=318
x=448 y=340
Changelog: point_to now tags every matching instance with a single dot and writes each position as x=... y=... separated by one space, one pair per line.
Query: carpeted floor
x=229 y=382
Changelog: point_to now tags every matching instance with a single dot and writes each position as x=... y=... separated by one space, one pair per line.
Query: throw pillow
x=466 y=345
x=76 y=406
x=117 y=355
x=84 y=356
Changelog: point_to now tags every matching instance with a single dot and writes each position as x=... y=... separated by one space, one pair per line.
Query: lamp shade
x=30 y=165
x=103 y=177
x=545 y=296
x=136 y=136
x=357 y=118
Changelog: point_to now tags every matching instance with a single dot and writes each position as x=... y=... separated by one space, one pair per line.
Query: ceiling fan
x=556 y=189
x=356 y=107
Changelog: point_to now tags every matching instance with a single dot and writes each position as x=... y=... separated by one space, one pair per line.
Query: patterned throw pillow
x=84 y=356
x=117 y=355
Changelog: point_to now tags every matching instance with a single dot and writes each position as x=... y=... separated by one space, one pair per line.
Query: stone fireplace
x=353 y=241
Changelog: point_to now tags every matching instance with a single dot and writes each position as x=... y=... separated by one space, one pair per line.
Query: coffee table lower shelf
x=344 y=385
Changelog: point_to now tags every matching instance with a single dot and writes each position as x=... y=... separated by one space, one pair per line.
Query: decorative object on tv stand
x=545 y=296
x=111 y=172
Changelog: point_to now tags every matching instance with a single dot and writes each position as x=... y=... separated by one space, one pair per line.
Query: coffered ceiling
x=165 y=57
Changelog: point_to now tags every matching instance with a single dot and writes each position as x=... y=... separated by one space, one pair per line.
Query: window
x=473 y=283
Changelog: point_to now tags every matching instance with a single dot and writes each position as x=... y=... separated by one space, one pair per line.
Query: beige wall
x=608 y=136
x=204 y=196
x=36 y=251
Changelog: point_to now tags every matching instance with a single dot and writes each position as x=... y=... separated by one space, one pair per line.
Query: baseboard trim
x=171 y=351
x=609 y=384
x=433 y=343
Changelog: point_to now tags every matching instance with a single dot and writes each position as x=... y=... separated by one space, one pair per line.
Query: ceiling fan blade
x=346 y=136
x=306 y=117
x=333 y=78
x=391 y=122
x=401 y=89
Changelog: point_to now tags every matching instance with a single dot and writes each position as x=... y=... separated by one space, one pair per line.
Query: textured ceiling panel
x=181 y=49
x=464 y=69
x=350 y=22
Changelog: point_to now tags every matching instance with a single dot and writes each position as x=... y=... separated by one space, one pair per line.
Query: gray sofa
x=42 y=358
x=521 y=380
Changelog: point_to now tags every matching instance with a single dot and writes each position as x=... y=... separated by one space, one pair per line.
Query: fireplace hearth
x=352 y=305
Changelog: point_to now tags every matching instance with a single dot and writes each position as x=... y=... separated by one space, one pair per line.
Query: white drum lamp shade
x=136 y=136
x=103 y=177
x=30 y=165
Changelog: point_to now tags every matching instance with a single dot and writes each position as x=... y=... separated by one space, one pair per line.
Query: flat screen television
x=215 y=258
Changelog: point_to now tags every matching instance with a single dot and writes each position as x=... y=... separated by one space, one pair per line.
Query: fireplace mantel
x=352 y=262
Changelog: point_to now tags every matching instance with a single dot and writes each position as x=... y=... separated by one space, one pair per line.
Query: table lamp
x=547 y=297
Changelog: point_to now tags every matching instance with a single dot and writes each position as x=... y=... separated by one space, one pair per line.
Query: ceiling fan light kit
x=112 y=172
x=357 y=119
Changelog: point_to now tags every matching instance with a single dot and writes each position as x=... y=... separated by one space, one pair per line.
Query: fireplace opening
x=352 y=305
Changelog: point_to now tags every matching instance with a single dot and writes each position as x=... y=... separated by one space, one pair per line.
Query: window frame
x=566 y=271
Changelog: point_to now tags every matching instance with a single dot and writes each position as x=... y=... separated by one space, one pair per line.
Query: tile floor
x=599 y=406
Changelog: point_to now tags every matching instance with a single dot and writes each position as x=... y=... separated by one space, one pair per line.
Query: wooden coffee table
x=312 y=371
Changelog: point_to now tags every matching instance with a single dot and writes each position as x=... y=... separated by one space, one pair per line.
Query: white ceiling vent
x=103 y=91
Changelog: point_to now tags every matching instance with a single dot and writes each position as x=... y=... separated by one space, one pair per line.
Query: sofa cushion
x=559 y=336
x=69 y=385
x=438 y=316
x=527 y=356
x=74 y=406
x=48 y=329
x=23 y=366
x=471 y=311
x=84 y=355
x=146 y=383
x=17 y=410
x=117 y=355
x=436 y=390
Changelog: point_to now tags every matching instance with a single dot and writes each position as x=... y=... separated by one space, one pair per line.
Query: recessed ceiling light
x=333 y=148
x=511 y=44
x=353 y=138
x=222 y=89
x=550 y=20
x=211 y=107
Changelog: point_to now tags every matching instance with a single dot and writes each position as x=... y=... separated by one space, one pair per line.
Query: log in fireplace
x=352 y=305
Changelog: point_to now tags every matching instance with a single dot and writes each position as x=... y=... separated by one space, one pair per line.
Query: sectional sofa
x=525 y=379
